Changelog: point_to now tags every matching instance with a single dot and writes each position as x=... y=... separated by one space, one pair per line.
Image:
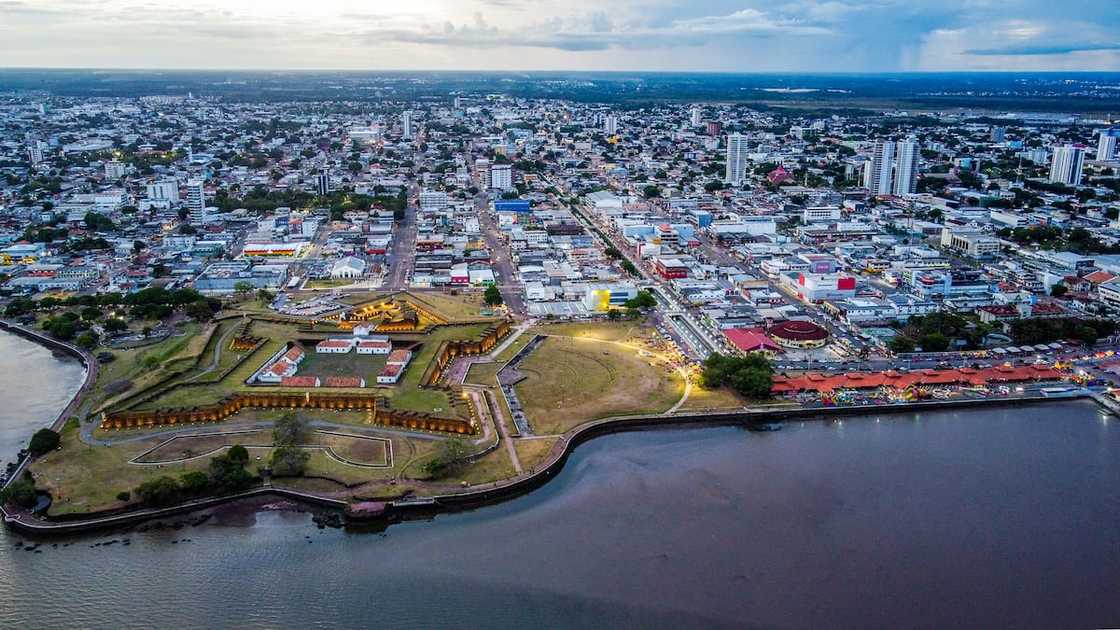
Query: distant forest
x=1050 y=92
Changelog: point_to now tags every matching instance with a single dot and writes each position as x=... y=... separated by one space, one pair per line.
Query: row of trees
x=227 y=475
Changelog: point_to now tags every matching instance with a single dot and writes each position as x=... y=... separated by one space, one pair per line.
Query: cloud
x=1042 y=49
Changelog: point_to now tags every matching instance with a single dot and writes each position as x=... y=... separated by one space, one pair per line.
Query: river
x=992 y=518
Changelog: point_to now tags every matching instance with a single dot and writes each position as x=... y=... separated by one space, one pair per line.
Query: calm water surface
x=1000 y=518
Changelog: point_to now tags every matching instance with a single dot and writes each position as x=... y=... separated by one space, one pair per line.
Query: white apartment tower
x=906 y=167
x=196 y=196
x=736 y=159
x=482 y=172
x=114 y=170
x=406 y=125
x=697 y=116
x=877 y=170
x=166 y=191
x=1065 y=168
x=1106 y=146
x=501 y=176
x=35 y=152
x=323 y=184
x=610 y=124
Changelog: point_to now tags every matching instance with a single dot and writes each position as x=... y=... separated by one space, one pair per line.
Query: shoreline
x=474 y=496
x=396 y=510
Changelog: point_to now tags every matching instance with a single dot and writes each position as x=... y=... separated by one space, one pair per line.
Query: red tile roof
x=750 y=340
x=862 y=380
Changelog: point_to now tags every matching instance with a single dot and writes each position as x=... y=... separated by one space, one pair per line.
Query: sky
x=667 y=35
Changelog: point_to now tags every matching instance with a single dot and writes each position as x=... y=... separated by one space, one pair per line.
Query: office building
x=736 y=159
x=1065 y=168
x=323 y=184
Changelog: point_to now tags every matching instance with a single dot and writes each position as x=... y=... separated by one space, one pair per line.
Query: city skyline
x=637 y=35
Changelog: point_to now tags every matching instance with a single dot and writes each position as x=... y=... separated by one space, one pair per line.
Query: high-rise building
x=196 y=196
x=877 y=170
x=1106 y=146
x=406 y=125
x=736 y=159
x=610 y=124
x=114 y=170
x=1065 y=168
x=35 y=152
x=501 y=176
x=906 y=167
x=715 y=128
x=323 y=184
x=697 y=116
x=999 y=134
x=482 y=172
x=164 y=191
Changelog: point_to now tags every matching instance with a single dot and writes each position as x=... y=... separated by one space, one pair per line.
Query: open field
x=323 y=366
x=603 y=331
x=573 y=380
x=139 y=368
x=533 y=452
x=83 y=478
x=360 y=450
x=483 y=373
x=722 y=398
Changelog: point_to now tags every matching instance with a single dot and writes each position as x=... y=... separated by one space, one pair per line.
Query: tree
x=114 y=325
x=86 y=340
x=289 y=430
x=199 y=311
x=614 y=314
x=1059 y=290
x=644 y=299
x=492 y=296
x=159 y=492
x=934 y=342
x=228 y=470
x=91 y=313
x=264 y=296
x=750 y=375
x=450 y=458
x=651 y=191
x=242 y=287
x=194 y=483
x=902 y=344
x=289 y=461
x=21 y=492
x=44 y=441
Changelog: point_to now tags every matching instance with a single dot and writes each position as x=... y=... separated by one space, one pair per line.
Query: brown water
x=993 y=518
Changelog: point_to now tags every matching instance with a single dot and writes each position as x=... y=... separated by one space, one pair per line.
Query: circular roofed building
x=799 y=334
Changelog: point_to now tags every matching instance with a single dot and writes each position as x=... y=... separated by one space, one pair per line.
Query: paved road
x=402 y=252
x=513 y=293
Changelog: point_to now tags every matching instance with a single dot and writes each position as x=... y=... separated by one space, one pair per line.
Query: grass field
x=570 y=381
x=83 y=478
x=366 y=366
x=715 y=399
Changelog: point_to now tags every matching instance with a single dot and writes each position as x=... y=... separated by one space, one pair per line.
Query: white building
x=501 y=177
x=610 y=124
x=196 y=196
x=349 y=267
x=166 y=191
x=35 y=152
x=906 y=167
x=697 y=116
x=335 y=346
x=1065 y=168
x=114 y=169
x=877 y=171
x=1106 y=146
x=433 y=200
x=736 y=159
x=406 y=125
